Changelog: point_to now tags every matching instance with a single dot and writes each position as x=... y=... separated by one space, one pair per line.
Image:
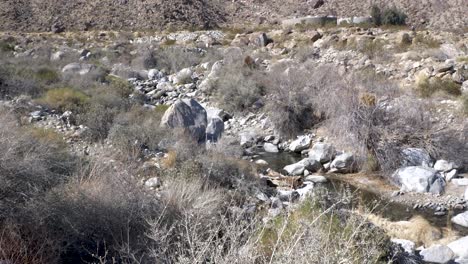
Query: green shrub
x=427 y=87
x=64 y=99
x=47 y=75
x=393 y=16
x=376 y=14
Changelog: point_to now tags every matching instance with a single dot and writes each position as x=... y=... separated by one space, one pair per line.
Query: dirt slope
x=39 y=15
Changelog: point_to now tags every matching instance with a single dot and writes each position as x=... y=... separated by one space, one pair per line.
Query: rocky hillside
x=35 y=15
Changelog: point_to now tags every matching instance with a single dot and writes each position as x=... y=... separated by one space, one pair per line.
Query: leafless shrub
x=367 y=114
x=137 y=130
x=291 y=101
x=31 y=162
x=237 y=86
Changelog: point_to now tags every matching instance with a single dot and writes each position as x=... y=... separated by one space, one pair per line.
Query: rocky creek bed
x=380 y=200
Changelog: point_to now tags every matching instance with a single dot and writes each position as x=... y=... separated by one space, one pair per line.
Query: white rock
x=460 y=247
x=270 y=148
x=407 y=245
x=316 y=179
x=306 y=189
x=298 y=168
x=300 y=144
x=450 y=175
x=416 y=157
x=322 y=152
x=437 y=254
x=466 y=194
x=415 y=178
x=460 y=182
x=461 y=219
x=261 y=162
x=343 y=163
x=444 y=166
x=152 y=182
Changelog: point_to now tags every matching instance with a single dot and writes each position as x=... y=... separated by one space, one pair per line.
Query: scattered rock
x=416 y=157
x=450 y=175
x=461 y=219
x=261 y=162
x=416 y=179
x=78 y=68
x=408 y=246
x=322 y=152
x=316 y=179
x=300 y=144
x=343 y=163
x=187 y=114
x=215 y=129
x=262 y=40
x=318 y=4
x=248 y=138
x=460 y=182
x=270 y=148
x=57 y=28
x=444 y=166
x=437 y=254
x=459 y=247
x=152 y=183
x=299 y=167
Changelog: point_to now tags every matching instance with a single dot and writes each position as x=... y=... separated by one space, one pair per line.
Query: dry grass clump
x=426 y=87
x=64 y=99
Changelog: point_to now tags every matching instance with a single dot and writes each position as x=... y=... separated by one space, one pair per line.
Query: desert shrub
x=106 y=101
x=393 y=16
x=292 y=94
x=34 y=161
x=320 y=233
x=376 y=14
x=427 y=87
x=47 y=75
x=64 y=99
x=15 y=81
x=99 y=215
x=175 y=58
x=237 y=86
x=137 y=130
x=426 y=41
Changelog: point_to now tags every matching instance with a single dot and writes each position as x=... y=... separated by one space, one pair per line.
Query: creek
x=370 y=200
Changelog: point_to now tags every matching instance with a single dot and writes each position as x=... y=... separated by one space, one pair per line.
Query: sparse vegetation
x=427 y=87
x=388 y=16
x=64 y=99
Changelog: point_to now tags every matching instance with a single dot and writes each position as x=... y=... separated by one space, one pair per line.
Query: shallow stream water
x=372 y=201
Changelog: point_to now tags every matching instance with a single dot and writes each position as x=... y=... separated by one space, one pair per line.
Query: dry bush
x=237 y=86
x=137 y=130
x=31 y=162
x=376 y=131
x=105 y=102
x=427 y=87
x=175 y=58
x=291 y=103
x=64 y=99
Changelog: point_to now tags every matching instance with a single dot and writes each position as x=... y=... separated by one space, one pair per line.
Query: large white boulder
x=416 y=179
x=444 y=166
x=322 y=152
x=300 y=144
x=460 y=247
x=270 y=148
x=187 y=114
x=437 y=254
x=299 y=167
x=461 y=219
x=416 y=157
x=343 y=163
